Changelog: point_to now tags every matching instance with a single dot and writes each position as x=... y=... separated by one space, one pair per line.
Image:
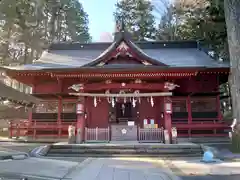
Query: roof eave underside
x=14 y=95
x=118 y=69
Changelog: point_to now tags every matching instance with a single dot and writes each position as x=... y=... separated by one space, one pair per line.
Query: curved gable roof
x=124 y=42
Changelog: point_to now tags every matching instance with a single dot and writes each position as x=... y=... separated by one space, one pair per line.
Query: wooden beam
x=141 y=86
x=124 y=95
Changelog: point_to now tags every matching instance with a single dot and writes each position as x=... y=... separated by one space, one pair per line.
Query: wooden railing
x=38 y=129
x=97 y=134
x=151 y=135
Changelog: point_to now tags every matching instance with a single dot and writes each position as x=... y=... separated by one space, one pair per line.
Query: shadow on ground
x=212 y=177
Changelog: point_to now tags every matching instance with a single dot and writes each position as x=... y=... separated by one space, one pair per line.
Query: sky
x=101 y=20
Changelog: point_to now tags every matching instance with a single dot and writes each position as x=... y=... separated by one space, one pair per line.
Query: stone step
x=210 y=140
x=126 y=155
x=125 y=146
x=123 y=139
x=109 y=150
x=122 y=151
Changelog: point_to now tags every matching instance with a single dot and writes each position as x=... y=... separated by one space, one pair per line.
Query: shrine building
x=125 y=87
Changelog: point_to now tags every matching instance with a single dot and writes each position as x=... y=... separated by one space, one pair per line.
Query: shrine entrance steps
x=115 y=149
x=205 y=140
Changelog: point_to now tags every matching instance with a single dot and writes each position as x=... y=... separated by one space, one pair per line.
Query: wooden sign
x=131 y=123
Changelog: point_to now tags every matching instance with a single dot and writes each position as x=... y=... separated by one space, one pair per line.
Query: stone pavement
x=54 y=169
x=123 y=169
x=90 y=169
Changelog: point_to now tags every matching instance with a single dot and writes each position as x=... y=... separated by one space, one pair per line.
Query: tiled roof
x=173 y=54
x=15 y=95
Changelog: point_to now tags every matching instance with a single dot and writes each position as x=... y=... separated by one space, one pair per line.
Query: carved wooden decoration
x=170 y=86
x=123 y=47
x=76 y=87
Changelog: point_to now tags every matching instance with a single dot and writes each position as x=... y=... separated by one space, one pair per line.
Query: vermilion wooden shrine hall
x=125 y=85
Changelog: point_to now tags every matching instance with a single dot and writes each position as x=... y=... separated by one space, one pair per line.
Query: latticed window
x=47 y=107
x=69 y=107
x=179 y=105
x=204 y=105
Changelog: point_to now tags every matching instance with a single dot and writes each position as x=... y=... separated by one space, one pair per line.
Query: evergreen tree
x=195 y=20
x=77 y=22
x=138 y=18
x=26 y=27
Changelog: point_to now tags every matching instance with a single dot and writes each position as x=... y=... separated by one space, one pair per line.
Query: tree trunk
x=6 y=46
x=232 y=15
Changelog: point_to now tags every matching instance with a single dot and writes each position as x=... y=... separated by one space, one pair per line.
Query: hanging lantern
x=80 y=108
x=152 y=102
x=168 y=107
x=95 y=102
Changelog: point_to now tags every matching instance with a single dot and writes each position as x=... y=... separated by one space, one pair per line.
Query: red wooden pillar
x=30 y=120
x=60 y=107
x=218 y=108
x=189 y=110
x=59 y=119
x=167 y=115
x=30 y=113
x=81 y=120
x=218 y=102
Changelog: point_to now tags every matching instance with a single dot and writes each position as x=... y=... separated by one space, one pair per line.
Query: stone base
x=72 y=140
